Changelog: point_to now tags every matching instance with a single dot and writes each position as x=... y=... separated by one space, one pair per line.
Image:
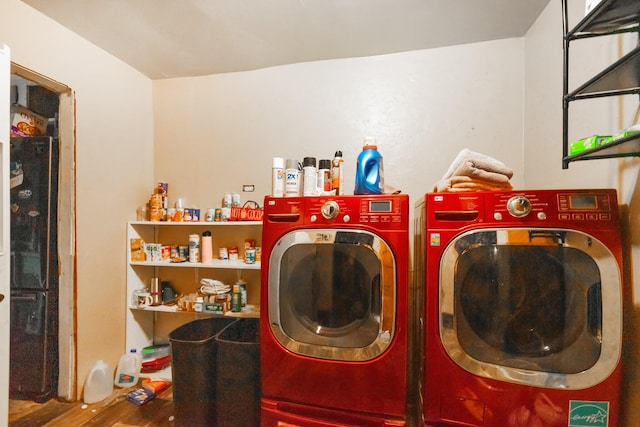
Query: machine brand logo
x=588 y=414
x=435 y=239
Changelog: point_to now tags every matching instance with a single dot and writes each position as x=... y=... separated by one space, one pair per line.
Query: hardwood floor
x=114 y=411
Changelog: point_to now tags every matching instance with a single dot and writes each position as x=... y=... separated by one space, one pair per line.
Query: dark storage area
x=216 y=372
x=238 y=381
x=193 y=370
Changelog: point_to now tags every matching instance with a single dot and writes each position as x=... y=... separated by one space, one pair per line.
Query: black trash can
x=238 y=380
x=193 y=370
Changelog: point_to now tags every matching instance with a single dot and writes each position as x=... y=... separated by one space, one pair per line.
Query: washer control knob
x=330 y=209
x=519 y=206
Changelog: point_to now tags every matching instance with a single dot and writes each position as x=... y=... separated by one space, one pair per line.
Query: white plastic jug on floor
x=128 y=371
x=98 y=385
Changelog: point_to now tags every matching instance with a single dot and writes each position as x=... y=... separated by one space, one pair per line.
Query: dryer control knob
x=519 y=206
x=330 y=209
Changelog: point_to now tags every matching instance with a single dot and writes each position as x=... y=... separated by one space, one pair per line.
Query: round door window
x=332 y=294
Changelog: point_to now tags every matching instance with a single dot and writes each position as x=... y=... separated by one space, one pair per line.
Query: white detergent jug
x=98 y=385
x=128 y=371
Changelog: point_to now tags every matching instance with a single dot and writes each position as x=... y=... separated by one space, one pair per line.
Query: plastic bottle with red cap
x=369 y=169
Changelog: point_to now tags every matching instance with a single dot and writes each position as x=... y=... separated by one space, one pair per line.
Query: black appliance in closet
x=33 y=371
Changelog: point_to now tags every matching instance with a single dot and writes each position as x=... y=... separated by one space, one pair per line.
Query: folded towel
x=483 y=171
x=471 y=171
x=460 y=183
x=471 y=162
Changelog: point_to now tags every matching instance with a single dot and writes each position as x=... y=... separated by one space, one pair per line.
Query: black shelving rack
x=609 y=17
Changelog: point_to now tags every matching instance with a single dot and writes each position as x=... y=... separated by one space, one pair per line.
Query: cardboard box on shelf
x=137 y=250
x=26 y=123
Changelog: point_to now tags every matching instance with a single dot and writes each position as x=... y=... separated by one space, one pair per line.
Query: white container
x=98 y=385
x=199 y=305
x=310 y=177
x=277 y=177
x=292 y=179
x=128 y=371
x=194 y=247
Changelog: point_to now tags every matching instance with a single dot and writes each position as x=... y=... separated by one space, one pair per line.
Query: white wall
x=215 y=133
x=114 y=170
x=543 y=150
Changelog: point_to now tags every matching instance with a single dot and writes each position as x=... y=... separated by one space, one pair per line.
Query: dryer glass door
x=540 y=306
x=332 y=294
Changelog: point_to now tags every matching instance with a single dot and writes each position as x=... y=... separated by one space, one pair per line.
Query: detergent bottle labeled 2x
x=369 y=170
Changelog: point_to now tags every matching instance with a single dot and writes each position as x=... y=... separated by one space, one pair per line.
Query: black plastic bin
x=193 y=370
x=238 y=380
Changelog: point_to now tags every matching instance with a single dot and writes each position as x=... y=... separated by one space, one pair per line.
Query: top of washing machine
x=583 y=209
x=383 y=212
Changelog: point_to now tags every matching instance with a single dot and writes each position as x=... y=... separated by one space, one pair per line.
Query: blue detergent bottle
x=369 y=170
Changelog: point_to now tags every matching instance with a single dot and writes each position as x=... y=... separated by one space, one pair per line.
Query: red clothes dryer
x=334 y=310
x=523 y=308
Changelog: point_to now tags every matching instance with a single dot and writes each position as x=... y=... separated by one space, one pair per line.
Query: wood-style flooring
x=114 y=411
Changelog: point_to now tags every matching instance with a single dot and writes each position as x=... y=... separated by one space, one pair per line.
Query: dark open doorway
x=38 y=316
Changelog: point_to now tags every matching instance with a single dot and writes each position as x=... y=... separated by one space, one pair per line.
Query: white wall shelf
x=152 y=325
x=216 y=263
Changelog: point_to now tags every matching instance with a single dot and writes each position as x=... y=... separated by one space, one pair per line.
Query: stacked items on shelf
x=231 y=209
x=155 y=358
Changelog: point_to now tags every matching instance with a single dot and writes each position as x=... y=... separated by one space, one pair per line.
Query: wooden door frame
x=67 y=343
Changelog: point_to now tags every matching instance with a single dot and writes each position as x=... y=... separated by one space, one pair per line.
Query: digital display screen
x=583 y=202
x=380 y=206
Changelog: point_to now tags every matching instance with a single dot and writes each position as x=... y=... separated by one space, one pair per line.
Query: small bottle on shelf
x=199 y=305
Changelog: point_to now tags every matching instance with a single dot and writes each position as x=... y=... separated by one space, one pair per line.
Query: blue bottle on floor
x=369 y=170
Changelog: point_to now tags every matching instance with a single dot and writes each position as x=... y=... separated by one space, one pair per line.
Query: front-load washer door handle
x=594 y=311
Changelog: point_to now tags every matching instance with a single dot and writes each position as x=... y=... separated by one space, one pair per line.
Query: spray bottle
x=292 y=178
x=324 y=177
x=277 y=177
x=336 y=174
x=310 y=177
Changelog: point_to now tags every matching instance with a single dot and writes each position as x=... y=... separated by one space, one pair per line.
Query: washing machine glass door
x=332 y=294
x=539 y=307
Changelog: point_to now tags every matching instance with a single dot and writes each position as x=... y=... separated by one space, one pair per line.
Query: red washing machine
x=334 y=310
x=523 y=308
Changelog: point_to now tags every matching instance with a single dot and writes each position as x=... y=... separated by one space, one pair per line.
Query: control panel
x=380 y=211
x=562 y=205
x=597 y=208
